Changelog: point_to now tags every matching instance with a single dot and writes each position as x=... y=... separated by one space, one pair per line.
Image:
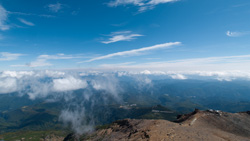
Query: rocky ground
x=199 y=125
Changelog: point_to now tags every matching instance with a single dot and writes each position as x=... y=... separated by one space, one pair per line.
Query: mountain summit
x=198 y=125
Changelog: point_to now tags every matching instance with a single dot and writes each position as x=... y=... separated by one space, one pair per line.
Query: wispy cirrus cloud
x=30 y=14
x=3 y=19
x=121 y=36
x=55 y=7
x=6 y=56
x=4 y=14
x=134 y=51
x=142 y=4
x=26 y=22
x=59 y=56
x=236 y=33
x=222 y=63
x=43 y=60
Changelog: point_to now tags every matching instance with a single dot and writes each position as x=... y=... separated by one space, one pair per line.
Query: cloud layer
x=39 y=84
x=224 y=63
x=97 y=88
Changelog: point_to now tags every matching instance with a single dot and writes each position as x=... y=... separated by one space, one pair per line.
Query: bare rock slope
x=198 y=125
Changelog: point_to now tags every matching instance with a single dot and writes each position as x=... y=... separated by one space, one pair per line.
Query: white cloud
x=135 y=51
x=222 y=75
x=236 y=34
x=37 y=63
x=224 y=63
x=55 y=7
x=40 y=84
x=6 y=56
x=42 y=60
x=59 y=56
x=16 y=74
x=173 y=75
x=125 y=2
x=178 y=76
x=8 y=85
x=3 y=18
x=155 y=2
x=142 y=4
x=121 y=36
x=30 y=14
x=146 y=72
x=68 y=84
x=118 y=64
x=37 y=84
x=77 y=119
x=107 y=83
x=26 y=22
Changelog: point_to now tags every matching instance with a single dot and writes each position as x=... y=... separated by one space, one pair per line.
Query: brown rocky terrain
x=207 y=125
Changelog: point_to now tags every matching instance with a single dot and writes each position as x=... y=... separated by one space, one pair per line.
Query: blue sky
x=168 y=35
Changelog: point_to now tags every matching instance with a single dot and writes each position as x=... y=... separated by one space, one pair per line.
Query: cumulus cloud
x=6 y=56
x=121 y=36
x=142 y=4
x=135 y=51
x=8 y=85
x=107 y=83
x=26 y=22
x=16 y=74
x=3 y=18
x=55 y=7
x=43 y=83
x=68 y=84
x=38 y=87
x=38 y=83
